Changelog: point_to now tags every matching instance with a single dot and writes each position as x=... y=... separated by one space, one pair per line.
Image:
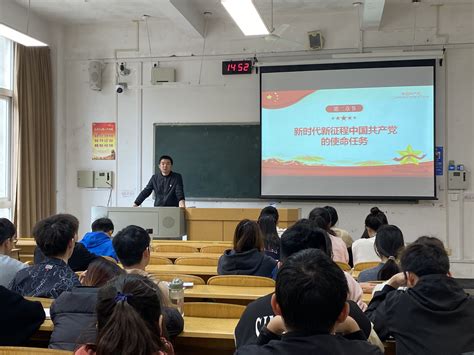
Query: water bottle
x=177 y=294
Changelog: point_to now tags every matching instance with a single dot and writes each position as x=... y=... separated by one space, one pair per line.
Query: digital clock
x=237 y=67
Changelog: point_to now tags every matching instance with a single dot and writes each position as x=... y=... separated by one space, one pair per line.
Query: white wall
x=214 y=98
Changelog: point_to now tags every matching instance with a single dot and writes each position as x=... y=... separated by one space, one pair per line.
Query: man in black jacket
x=20 y=318
x=302 y=235
x=310 y=306
x=433 y=315
x=168 y=186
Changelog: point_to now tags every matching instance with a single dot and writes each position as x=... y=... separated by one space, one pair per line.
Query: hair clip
x=391 y=258
x=122 y=297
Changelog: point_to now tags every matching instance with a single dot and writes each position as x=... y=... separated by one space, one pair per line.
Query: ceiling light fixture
x=20 y=37
x=246 y=16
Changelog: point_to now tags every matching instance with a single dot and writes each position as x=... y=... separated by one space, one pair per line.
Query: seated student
x=433 y=315
x=271 y=240
x=247 y=256
x=322 y=219
x=363 y=248
x=272 y=212
x=129 y=319
x=8 y=266
x=310 y=296
x=79 y=260
x=73 y=312
x=132 y=245
x=302 y=235
x=20 y=318
x=55 y=236
x=388 y=245
x=99 y=241
x=341 y=233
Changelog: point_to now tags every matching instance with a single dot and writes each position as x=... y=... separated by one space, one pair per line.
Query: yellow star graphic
x=409 y=156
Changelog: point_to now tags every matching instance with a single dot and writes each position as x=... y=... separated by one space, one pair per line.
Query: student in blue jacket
x=99 y=241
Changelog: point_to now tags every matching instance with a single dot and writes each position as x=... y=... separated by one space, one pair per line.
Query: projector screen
x=353 y=130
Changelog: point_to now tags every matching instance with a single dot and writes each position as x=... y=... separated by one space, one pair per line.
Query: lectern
x=160 y=222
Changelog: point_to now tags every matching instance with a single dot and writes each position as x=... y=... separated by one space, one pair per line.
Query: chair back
x=343 y=266
x=197 y=261
x=220 y=248
x=18 y=350
x=159 y=260
x=186 y=278
x=241 y=280
x=174 y=248
x=213 y=310
x=366 y=265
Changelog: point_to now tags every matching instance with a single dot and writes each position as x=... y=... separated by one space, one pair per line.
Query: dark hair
x=271 y=240
x=430 y=240
x=53 y=234
x=321 y=218
x=388 y=243
x=425 y=258
x=311 y=291
x=130 y=243
x=102 y=225
x=247 y=236
x=270 y=211
x=7 y=230
x=100 y=271
x=375 y=219
x=332 y=214
x=304 y=235
x=167 y=157
x=128 y=313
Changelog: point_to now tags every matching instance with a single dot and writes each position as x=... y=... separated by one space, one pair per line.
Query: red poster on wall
x=103 y=141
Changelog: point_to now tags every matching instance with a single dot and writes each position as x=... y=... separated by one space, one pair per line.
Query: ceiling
x=189 y=13
x=96 y=11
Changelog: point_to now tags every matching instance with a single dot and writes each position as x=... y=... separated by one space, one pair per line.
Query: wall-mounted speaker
x=316 y=40
x=95 y=75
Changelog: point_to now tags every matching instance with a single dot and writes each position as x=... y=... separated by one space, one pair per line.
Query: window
x=6 y=97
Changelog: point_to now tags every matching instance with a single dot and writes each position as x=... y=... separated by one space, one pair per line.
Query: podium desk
x=219 y=223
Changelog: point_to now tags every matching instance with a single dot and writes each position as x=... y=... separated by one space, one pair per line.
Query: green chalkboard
x=216 y=161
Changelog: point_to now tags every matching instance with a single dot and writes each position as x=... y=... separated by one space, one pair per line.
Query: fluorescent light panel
x=246 y=16
x=19 y=37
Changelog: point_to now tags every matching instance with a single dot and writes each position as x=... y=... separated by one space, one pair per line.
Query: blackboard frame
x=240 y=127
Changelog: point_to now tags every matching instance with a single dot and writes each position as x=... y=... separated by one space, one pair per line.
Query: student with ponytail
x=363 y=248
x=129 y=319
x=388 y=245
x=321 y=218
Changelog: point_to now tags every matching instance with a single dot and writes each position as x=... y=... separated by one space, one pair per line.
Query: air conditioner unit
x=162 y=75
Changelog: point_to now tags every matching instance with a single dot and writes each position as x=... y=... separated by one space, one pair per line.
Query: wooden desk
x=205 y=272
x=175 y=255
x=366 y=298
x=220 y=223
x=27 y=246
x=194 y=243
x=209 y=328
x=15 y=253
x=227 y=292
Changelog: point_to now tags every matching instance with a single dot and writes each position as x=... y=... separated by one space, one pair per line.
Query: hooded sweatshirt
x=434 y=317
x=251 y=262
x=99 y=243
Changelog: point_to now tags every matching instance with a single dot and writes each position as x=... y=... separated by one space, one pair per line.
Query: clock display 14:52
x=237 y=67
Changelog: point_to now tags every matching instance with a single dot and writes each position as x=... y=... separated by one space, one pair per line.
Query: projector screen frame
x=342 y=66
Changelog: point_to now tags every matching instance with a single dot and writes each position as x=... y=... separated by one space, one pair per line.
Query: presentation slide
x=357 y=130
